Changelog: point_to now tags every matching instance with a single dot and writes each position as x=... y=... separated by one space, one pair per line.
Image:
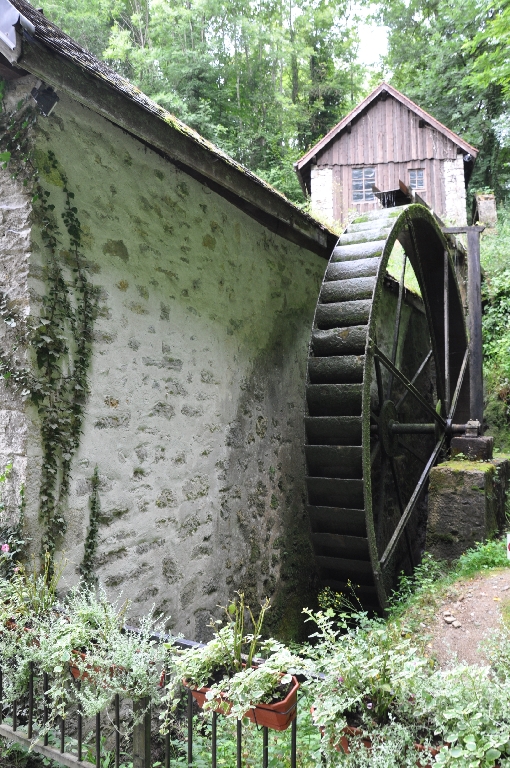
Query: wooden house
x=386 y=139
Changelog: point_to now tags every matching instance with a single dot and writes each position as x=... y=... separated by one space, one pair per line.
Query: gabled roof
x=365 y=104
x=30 y=43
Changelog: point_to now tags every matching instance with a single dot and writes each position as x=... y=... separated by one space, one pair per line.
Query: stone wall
x=17 y=439
x=195 y=417
x=455 y=192
x=322 y=193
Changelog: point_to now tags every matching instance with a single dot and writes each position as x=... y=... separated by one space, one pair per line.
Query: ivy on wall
x=61 y=337
x=87 y=571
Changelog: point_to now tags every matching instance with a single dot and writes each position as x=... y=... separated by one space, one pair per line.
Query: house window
x=362 y=181
x=416 y=180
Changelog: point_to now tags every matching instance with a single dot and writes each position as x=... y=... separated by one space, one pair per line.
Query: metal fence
x=74 y=739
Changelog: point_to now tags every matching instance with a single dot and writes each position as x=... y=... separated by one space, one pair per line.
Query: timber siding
x=388 y=134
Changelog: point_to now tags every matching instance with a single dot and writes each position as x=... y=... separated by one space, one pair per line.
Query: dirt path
x=470 y=610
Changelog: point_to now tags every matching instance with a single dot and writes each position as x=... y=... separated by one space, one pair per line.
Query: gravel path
x=471 y=609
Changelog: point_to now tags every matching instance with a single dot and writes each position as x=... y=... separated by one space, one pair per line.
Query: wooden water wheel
x=386 y=381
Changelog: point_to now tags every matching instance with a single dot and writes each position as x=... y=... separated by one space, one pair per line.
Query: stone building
x=385 y=140
x=142 y=264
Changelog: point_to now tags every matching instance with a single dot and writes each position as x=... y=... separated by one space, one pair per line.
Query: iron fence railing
x=77 y=742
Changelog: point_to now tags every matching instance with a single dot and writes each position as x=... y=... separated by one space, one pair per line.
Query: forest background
x=266 y=79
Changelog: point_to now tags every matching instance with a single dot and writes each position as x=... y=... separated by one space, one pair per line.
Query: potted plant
x=363 y=691
x=82 y=637
x=225 y=676
x=374 y=691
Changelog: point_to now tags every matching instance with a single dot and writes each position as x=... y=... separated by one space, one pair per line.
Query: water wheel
x=386 y=381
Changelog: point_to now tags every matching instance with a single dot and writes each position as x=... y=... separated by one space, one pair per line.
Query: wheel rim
x=380 y=398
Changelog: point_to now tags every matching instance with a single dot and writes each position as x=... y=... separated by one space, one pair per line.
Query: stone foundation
x=466 y=504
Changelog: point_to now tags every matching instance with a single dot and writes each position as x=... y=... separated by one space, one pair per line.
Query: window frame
x=417 y=172
x=367 y=180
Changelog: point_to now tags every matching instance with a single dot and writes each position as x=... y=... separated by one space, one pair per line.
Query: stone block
x=466 y=505
x=486 y=211
x=474 y=448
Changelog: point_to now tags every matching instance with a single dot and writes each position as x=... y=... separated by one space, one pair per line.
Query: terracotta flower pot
x=277 y=716
x=84 y=675
x=12 y=626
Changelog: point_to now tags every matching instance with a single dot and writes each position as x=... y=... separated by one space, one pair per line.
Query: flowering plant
x=365 y=671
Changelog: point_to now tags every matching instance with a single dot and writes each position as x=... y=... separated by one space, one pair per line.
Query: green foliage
x=83 y=631
x=441 y=54
x=87 y=566
x=29 y=593
x=63 y=346
x=62 y=338
x=490 y=46
x=495 y=247
x=264 y=81
x=491 y=554
x=308 y=743
x=12 y=536
x=222 y=666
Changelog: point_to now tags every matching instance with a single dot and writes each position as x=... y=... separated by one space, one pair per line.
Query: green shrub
x=491 y=554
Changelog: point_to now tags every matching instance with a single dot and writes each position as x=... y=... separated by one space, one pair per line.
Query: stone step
x=337 y=545
x=347 y=290
x=349 y=522
x=334 y=461
x=345 y=369
x=333 y=430
x=339 y=341
x=334 y=399
x=346 y=270
x=333 y=492
x=342 y=314
x=357 y=251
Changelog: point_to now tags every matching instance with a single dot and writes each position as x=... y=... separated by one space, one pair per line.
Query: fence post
x=142 y=733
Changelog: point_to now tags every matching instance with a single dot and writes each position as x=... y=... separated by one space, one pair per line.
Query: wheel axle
x=418 y=429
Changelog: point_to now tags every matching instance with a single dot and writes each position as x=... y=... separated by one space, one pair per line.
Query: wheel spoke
x=412 y=452
x=390 y=549
x=414 y=379
x=458 y=386
x=397 y=322
x=382 y=495
x=405 y=381
x=446 y=335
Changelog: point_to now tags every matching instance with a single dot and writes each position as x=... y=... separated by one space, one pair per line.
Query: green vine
x=61 y=337
x=87 y=566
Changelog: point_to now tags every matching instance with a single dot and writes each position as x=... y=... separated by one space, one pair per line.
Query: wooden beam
x=461 y=230
x=225 y=177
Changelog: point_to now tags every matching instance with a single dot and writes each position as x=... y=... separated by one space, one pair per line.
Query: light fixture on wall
x=45 y=98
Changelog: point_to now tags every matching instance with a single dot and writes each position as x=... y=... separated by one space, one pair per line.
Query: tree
x=263 y=79
x=436 y=62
